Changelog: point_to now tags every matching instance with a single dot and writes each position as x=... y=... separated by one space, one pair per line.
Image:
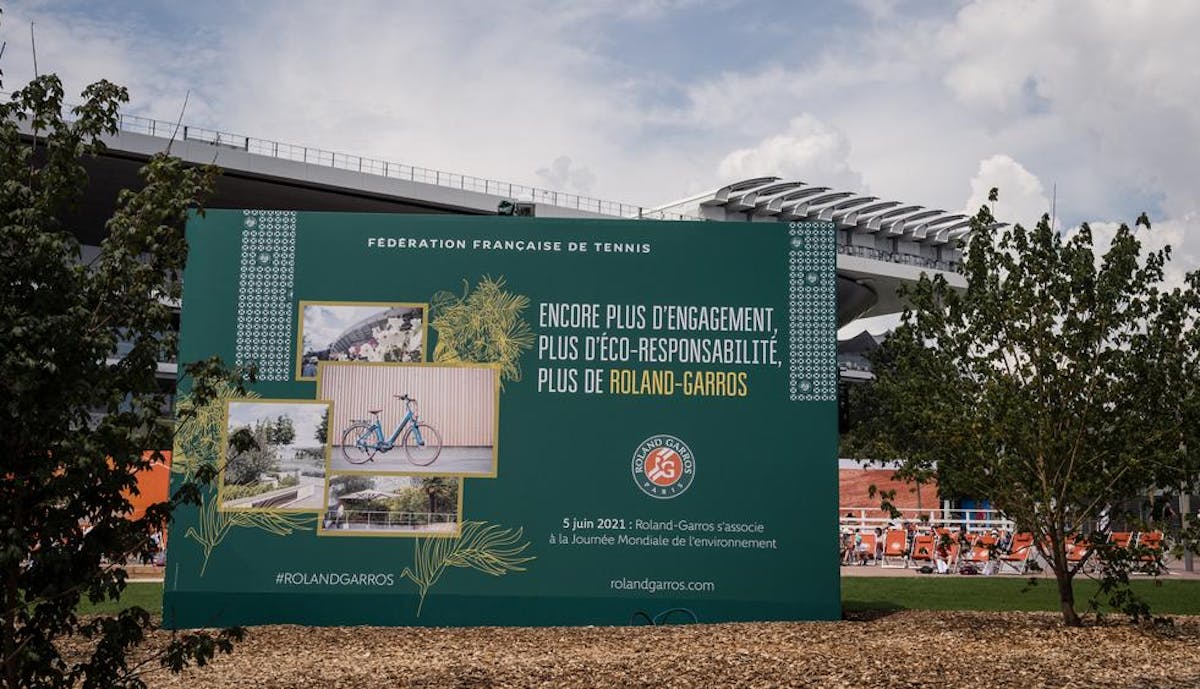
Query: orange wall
x=153 y=486
x=854 y=491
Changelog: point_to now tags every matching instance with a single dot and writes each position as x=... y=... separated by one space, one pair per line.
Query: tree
x=256 y=455
x=441 y=492
x=65 y=475
x=1057 y=385
x=282 y=431
x=322 y=428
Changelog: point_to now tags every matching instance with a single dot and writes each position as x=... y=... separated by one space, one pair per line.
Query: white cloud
x=83 y=50
x=1185 y=257
x=566 y=175
x=1120 y=77
x=1097 y=98
x=808 y=150
x=1022 y=199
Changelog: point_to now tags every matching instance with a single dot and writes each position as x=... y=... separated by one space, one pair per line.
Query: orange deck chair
x=922 y=550
x=1019 y=554
x=1151 y=540
x=1121 y=539
x=895 y=547
x=979 y=556
x=869 y=541
x=1078 y=548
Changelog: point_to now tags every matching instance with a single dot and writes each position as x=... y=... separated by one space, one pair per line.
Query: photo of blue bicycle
x=364 y=439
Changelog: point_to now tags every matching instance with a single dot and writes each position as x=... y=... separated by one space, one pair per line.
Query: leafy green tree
x=66 y=472
x=442 y=493
x=409 y=499
x=282 y=431
x=323 y=428
x=257 y=455
x=1057 y=385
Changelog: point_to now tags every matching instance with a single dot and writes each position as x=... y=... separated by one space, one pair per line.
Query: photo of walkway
x=283 y=468
x=392 y=505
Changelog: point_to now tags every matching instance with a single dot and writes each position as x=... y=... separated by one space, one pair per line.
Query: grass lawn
x=1172 y=597
x=146 y=595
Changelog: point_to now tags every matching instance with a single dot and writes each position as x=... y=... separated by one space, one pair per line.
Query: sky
x=1086 y=107
x=324 y=324
x=306 y=417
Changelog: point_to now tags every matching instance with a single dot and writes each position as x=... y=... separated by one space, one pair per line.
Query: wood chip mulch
x=905 y=649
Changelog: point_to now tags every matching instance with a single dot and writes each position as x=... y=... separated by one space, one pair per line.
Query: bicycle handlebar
x=405 y=397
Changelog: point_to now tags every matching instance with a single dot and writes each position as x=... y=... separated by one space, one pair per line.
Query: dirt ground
x=905 y=649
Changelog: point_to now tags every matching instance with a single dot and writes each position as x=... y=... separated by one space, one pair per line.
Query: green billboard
x=507 y=421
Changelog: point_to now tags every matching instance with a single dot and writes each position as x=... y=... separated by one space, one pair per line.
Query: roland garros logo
x=663 y=466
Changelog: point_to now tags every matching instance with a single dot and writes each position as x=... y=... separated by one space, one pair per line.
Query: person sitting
x=847 y=548
x=864 y=553
x=941 y=555
x=1005 y=541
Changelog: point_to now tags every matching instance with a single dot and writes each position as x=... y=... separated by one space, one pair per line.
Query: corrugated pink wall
x=459 y=402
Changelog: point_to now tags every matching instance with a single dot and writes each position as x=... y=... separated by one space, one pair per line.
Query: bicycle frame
x=409 y=417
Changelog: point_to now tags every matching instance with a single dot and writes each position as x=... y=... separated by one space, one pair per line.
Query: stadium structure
x=882 y=244
x=369 y=332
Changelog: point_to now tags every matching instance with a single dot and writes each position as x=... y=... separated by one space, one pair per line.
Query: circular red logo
x=664 y=466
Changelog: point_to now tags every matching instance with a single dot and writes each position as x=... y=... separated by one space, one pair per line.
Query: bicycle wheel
x=422 y=453
x=358 y=447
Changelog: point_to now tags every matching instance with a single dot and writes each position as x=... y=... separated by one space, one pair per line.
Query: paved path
x=452 y=460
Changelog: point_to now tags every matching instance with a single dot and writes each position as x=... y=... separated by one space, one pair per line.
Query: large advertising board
x=507 y=421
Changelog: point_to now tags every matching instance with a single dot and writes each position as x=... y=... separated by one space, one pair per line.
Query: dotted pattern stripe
x=265 y=280
x=812 y=312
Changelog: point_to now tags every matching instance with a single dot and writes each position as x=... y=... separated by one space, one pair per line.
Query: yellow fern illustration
x=488 y=548
x=483 y=326
x=213 y=525
x=198 y=437
x=197 y=444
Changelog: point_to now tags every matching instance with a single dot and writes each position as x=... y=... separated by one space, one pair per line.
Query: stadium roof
x=775 y=199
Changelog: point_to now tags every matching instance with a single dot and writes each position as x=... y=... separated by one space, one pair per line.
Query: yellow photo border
x=224 y=452
x=424 y=306
x=322 y=365
x=338 y=533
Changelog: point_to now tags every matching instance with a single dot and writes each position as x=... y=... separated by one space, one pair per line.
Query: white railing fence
x=385 y=519
x=974 y=520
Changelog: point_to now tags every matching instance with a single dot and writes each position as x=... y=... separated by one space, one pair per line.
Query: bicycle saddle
x=374 y=411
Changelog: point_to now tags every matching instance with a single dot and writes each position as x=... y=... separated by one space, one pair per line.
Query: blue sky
x=648 y=101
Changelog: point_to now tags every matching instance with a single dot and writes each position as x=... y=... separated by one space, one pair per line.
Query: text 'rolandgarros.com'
x=334 y=579
x=656 y=585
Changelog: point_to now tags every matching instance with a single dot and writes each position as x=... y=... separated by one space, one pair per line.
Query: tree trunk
x=1066 y=597
x=11 y=603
